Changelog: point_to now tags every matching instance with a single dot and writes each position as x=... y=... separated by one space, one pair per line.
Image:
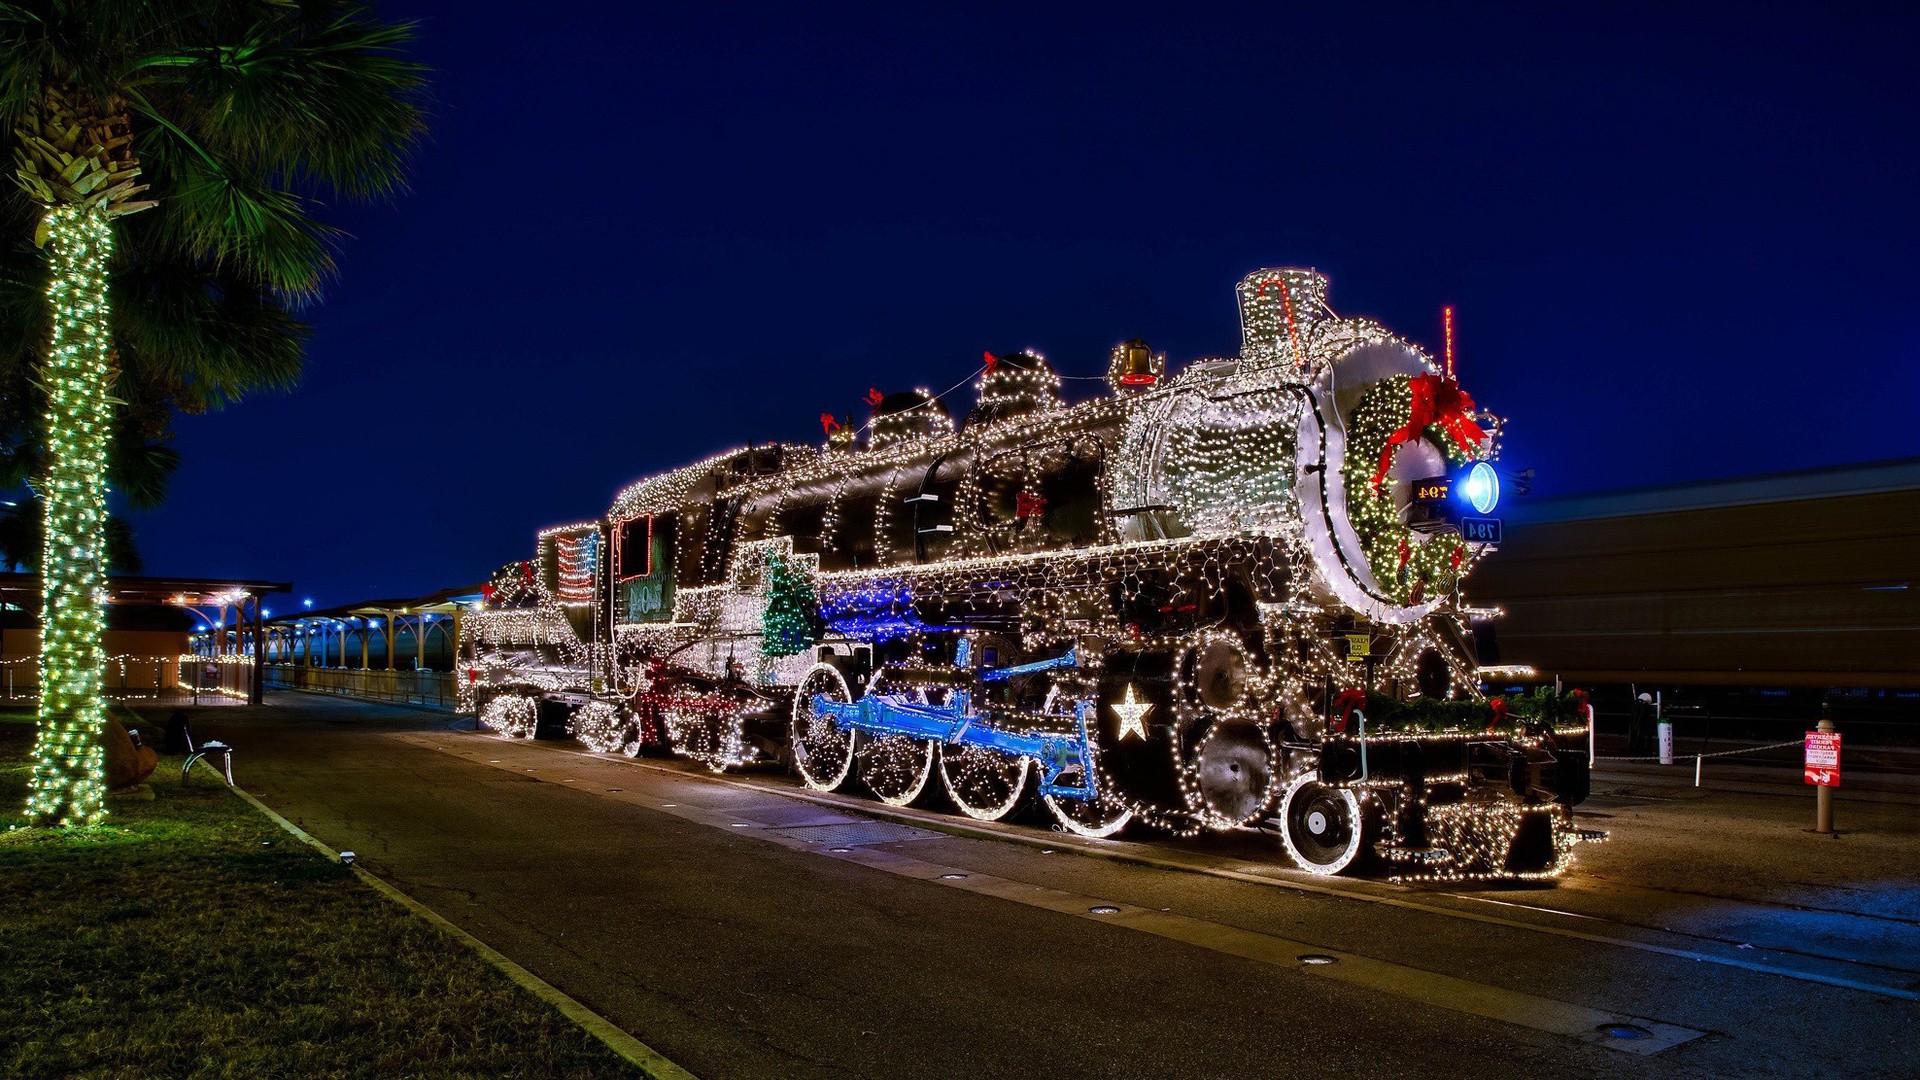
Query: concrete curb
x=650 y=1061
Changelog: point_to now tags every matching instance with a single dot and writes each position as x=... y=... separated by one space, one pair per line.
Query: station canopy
x=24 y=591
x=444 y=602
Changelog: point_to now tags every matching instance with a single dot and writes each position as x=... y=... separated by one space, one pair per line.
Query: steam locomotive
x=1227 y=598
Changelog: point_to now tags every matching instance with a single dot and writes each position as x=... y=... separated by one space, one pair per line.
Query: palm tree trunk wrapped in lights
x=78 y=163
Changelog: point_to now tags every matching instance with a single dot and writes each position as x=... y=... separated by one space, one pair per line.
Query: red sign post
x=1823 y=758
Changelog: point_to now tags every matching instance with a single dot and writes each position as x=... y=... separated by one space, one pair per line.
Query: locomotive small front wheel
x=1320 y=825
x=823 y=750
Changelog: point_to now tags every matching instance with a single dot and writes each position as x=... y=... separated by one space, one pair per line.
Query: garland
x=1540 y=707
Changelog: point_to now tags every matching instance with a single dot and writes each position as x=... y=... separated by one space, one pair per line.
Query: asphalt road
x=747 y=931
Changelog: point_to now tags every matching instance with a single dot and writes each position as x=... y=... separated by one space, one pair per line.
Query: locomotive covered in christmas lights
x=1219 y=599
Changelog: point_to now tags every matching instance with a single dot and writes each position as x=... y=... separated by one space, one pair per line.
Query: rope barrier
x=1716 y=753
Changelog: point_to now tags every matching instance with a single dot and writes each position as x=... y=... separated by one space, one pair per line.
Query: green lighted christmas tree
x=788 y=624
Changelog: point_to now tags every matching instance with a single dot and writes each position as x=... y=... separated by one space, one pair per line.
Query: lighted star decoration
x=1131 y=711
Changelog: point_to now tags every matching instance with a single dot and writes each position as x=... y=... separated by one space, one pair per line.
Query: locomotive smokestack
x=1278 y=310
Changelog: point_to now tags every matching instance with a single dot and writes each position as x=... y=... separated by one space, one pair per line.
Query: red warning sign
x=1823 y=758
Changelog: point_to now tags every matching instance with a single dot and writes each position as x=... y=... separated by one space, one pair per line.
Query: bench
x=216 y=754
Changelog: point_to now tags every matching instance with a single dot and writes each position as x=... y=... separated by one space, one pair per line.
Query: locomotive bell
x=1134 y=367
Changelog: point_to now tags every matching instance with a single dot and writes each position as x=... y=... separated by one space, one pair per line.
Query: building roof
x=1833 y=481
x=24 y=590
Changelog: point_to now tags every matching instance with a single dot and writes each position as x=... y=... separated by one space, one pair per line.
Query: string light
x=1137 y=606
x=512 y=715
x=68 y=785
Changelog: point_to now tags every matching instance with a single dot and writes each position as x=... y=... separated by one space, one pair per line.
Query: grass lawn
x=190 y=936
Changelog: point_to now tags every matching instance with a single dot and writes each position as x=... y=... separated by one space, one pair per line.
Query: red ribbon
x=1499 y=707
x=1435 y=400
x=1344 y=705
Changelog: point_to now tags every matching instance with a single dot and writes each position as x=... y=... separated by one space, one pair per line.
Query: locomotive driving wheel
x=895 y=768
x=1320 y=825
x=1232 y=772
x=823 y=750
x=1098 y=817
x=985 y=784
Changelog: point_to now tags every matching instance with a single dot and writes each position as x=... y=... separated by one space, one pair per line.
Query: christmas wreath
x=1408 y=565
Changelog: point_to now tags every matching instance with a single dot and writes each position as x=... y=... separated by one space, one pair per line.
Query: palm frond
x=199 y=334
x=140 y=471
x=23 y=523
x=123 y=555
x=235 y=219
x=323 y=92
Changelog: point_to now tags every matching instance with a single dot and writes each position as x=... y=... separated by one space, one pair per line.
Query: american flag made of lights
x=579 y=558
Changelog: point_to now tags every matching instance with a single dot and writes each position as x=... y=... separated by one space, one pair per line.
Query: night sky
x=1679 y=246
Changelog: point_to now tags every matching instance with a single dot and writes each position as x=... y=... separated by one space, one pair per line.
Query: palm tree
x=226 y=119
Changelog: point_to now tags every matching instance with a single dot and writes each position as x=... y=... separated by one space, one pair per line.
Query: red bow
x=1435 y=400
x=486 y=594
x=992 y=361
x=1499 y=707
x=526 y=573
x=1345 y=703
x=1026 y=504
x=875 y=397
x=1581 y=707
x=828 y=425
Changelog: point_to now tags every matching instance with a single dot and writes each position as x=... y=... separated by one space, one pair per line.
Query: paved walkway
x=716 y=921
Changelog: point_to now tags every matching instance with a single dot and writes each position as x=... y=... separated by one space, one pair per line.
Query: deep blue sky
x=1680 y=245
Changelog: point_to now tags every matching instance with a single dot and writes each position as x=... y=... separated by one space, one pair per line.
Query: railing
x=430 y=688
x=163 y=680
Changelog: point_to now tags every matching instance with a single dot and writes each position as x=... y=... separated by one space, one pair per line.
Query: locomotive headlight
x=1480 y=487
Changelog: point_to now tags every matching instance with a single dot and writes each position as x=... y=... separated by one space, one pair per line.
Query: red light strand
x=1286 y=304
